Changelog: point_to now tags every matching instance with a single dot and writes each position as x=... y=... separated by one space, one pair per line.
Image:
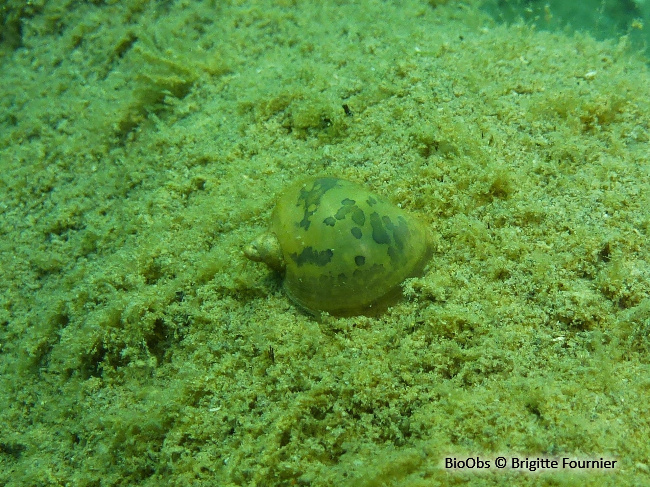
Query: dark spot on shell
x=356 y=233
x=311 y=256
x=371 y=201
x=311 y=198
x=359 y=260
x=349 y=207
x=343 y=212
x=358 y=216
x=379 y=233
x=368 y=273
x=401 y=233
x=340 y=215
x=329 y=221
x=394 y=255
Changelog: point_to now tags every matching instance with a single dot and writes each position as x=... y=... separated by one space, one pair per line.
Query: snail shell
x=343 y=249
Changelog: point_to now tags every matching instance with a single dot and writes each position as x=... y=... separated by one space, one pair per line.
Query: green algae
x=141 y=149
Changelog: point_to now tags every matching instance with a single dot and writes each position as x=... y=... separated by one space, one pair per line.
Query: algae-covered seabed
x=142 y=145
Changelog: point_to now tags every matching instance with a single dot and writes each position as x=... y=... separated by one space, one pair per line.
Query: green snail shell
x=343 y=249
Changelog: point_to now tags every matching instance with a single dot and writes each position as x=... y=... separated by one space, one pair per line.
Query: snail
x=342 y=249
